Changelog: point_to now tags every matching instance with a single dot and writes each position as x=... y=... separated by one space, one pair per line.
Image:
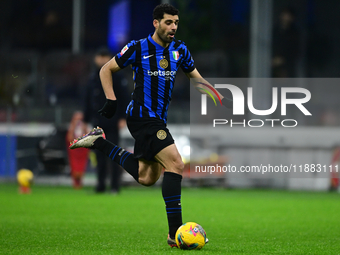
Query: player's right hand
x=109 y=108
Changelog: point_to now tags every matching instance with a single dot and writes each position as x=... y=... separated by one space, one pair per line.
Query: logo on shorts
x=163 y=63
x=161 y=134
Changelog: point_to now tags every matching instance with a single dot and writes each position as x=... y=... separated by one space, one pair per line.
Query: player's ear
x=155 y=23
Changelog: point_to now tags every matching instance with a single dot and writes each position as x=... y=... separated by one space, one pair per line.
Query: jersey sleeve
x=127 y=55
x=187 y=64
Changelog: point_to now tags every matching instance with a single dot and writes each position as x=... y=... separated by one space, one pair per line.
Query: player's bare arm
x=105 y=75
x=106 y=78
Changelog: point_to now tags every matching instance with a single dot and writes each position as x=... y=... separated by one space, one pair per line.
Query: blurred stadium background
x=46 y=50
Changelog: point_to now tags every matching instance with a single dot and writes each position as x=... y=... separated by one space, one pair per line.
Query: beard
x=164 y=37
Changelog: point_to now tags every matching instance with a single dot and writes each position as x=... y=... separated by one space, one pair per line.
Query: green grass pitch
x=60 y=220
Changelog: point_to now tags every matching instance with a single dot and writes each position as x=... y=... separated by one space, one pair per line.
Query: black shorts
x=150 y=134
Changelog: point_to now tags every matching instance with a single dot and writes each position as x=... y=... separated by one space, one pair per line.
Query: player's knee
x=178 y=166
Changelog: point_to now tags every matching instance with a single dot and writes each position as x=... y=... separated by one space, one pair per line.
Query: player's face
x=166 y=28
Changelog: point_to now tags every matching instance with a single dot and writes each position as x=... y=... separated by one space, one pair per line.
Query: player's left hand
x=109 y=108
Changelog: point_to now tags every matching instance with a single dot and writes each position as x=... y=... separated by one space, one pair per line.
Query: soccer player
x=155 y=61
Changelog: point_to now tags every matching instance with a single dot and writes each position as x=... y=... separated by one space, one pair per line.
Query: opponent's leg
x=171 y=160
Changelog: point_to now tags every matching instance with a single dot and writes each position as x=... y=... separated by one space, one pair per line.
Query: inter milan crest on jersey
x=163 y=63
x=175 y=55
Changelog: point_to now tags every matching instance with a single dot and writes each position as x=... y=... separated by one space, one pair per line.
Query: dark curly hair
x=158 y=12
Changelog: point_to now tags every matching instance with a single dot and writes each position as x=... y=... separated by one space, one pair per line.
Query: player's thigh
x=170 y=159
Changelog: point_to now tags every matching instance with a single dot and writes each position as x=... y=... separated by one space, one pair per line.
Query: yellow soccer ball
x=190 y=236
x=25 y=177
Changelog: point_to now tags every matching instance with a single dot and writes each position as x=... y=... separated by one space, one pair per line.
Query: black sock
x=171 y=191
x=118 y=155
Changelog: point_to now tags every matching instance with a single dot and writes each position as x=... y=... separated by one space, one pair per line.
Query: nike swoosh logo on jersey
x=145 y=57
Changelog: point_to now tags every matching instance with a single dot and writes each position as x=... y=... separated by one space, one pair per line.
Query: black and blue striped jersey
x=154 y=72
